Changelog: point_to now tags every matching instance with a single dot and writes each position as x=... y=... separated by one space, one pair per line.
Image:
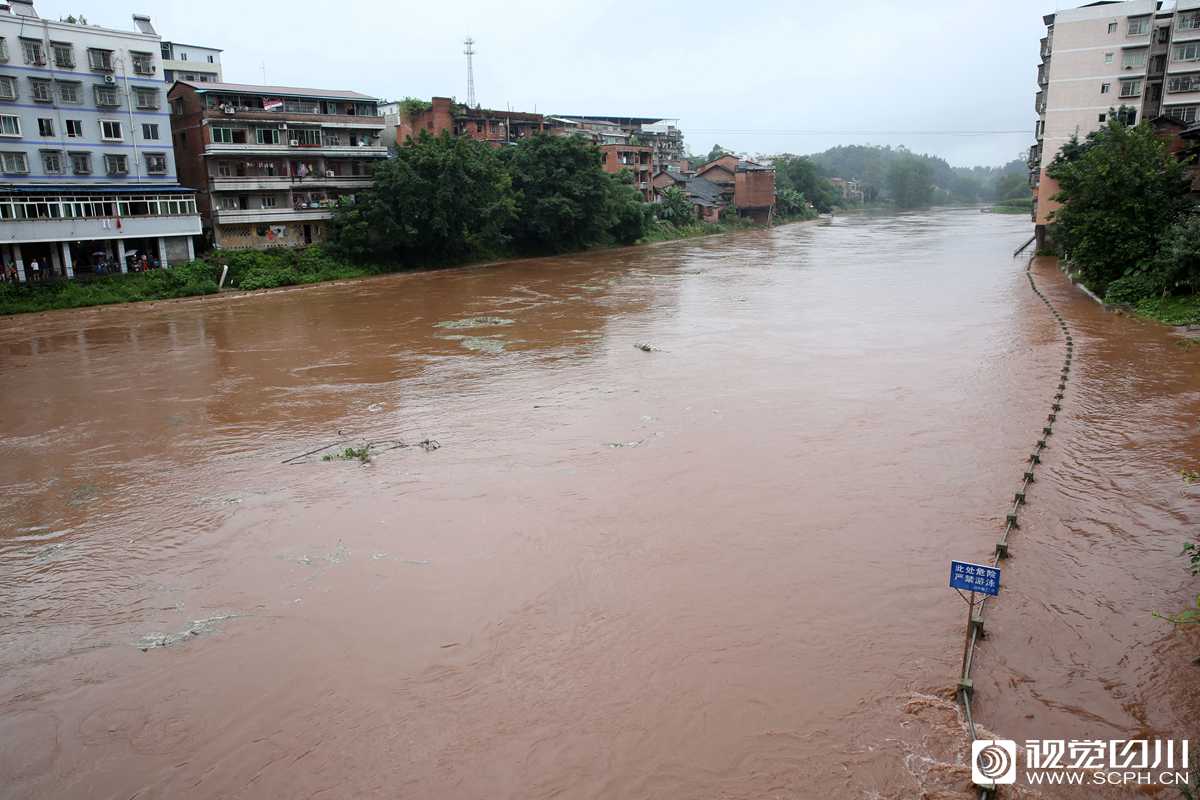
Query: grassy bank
x=185 y=280
x=1171 y=310
x=1014 y=207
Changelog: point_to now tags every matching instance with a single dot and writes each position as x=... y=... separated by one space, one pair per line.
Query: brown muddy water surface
x=713 y=570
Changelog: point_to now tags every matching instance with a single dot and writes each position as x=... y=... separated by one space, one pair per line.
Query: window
x=1181 y=113
x=143 y=63
x=107 y=96
x=1188 y=51
x=41 y=90
x=205 y=78
x=166 y=51
x=1184 y=83
x=8 y=88
x=14 y=163
x=222 y=135
x=64 y=54
x=1103 y=117
x=1139 y=26
x=32 y=49
x=75 y=128
x=1127 y=116
x=70 y=92
x=150 y=131
x=1105 y=88
x=110 y=130
x=1133 y=58
x=116 y=164
x=101 y=60
x=267 y=135
x=177 y=108
x=10 y=125
x=1108 y=58
x=45 y=127
x=3 y=49
x=1131 y=88
x=1112 y=27
x=224 y=169
x=1188 y=22
x=306 y=136
x=146 y=98
x=1164 y=34
x=183 y=56
x=81 y=163
x=156 y=163
x=268 y=201
x=212 y=59
x=52 y=162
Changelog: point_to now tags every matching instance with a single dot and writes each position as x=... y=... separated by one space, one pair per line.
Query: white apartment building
x=1138 y=58
x=87 y=164
x=190 y=62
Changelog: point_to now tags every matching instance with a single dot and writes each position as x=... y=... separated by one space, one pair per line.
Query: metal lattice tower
x=469 y=52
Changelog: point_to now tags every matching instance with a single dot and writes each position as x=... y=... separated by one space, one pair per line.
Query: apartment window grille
x=74 y=129
x=1105 y=88
x=150 y=131
x=1131 y=88
x=268 y=201
x=115 y=164
x=301 y=107
x=1133 y=58
x=1139 y=26
x=64 y=54
x=94 y=206
x=305 y=137
x=41 y=90
x=10 y=125
x=1112 y=27
x=45 y=127
x=1188 y=22
x=33 y=52
x=166 y=51
x=1187 y=51
x=156 y=163
x=14 y=163
x=146 y=98
x=1182 y=113
x=52 y=162
x=107 y=96
x=1108 y=58
x=267 y=135
x=224 y=169
x=143 y=63
x=8 y=88
x=110 y=130
x=69 y=92
x=1184 y=83
x=100 y=60
x=81 y=163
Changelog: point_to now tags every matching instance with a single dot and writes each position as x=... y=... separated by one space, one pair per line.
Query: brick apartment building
x=493 y=126
x=270 y=163
x=727 y=183
x=638 y=159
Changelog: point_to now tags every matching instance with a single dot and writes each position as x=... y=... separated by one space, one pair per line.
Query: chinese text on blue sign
x=974 y=578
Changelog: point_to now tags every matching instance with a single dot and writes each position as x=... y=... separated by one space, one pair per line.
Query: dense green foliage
x=910 y=182
x=268 y=269
x=800 y=175
x=675 y=207
x=184 y=280
x=449 y=200
x=442 y=199
x=1121 y=193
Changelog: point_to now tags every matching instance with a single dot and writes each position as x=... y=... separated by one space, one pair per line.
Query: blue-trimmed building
x=87 y=168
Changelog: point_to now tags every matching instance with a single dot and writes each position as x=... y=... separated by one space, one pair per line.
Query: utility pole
x=469 y=52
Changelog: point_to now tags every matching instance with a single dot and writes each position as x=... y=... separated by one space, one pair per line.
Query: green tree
x=716 y=152
x=564 y=199
x=441 y=199
x=627 y=216
x=675 y=207
x=909 y=182
x=801 y=174
x=790 y=203
x=1120 y=191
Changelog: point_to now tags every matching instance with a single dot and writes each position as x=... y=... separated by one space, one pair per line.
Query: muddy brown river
x=712 y=570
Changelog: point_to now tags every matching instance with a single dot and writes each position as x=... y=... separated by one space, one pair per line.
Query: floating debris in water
x=646 y=348
x=475 y=322
x=155 y=640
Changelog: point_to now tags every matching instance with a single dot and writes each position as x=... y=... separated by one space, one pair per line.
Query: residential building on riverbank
x=638 y=159
x=1134 y=59
x=444 y=115
x=85 y=149
x=189 y=62
x=271 y=163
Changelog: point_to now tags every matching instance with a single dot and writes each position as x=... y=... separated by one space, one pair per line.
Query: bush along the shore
x=184 y=280
x=1127 y=224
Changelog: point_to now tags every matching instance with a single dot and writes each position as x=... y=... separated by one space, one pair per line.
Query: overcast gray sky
x=750 y=76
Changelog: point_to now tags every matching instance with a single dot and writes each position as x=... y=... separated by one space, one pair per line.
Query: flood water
x=713 y=570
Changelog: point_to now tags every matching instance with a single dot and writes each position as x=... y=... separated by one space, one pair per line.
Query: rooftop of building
x=276 y=91
x=24 y=10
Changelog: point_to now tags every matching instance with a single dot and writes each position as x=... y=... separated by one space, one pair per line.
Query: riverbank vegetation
x=1127 y=224
x=185 y=280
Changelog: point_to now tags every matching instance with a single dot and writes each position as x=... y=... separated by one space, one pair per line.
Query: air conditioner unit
x=283 y=126
x=329 y=173
x=294 y=142
x=109 y=79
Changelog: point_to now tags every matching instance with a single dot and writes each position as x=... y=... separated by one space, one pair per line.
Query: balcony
x=285 y=150
x=1039 y=103
x=281 y=183
x=1046 y=48
x=275 y=117
x=1035 y=156
x=252 y=215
